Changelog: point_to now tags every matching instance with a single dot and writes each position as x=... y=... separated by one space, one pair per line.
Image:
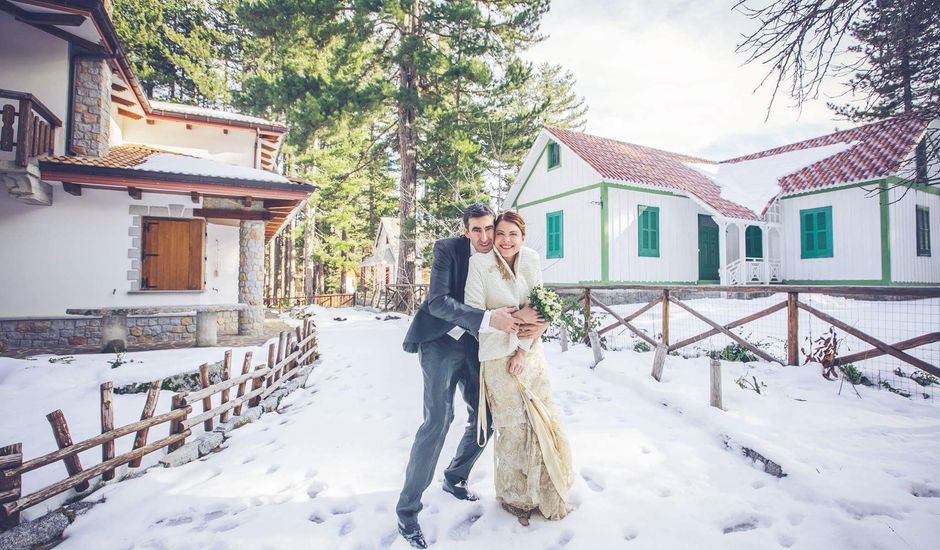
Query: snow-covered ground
x=657 y=467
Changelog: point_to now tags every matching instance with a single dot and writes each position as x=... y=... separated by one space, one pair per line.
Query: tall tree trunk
x=310 y=277
x=407 y=139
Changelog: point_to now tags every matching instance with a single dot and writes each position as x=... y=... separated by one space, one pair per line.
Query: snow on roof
x=174 y=163
x=214 y=113
x=755 y=183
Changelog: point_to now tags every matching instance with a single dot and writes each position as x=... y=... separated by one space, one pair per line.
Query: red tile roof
x=880 y=149
x=634 y=163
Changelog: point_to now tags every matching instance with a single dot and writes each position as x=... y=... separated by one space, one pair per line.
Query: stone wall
x=86 y=331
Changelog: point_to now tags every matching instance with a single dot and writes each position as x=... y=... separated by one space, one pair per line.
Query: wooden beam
x=118 y=87
x=129 y=114
x=194 y=196
x=268 y=146
x=59 y=19
x=189 y=126
x=744 y=343
x=232 y=214
x=123 y=101
x=151 y=121
x=134 y=193
x=225 y=131
x=72 y=188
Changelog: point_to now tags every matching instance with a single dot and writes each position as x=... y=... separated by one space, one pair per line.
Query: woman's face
x=509 y=239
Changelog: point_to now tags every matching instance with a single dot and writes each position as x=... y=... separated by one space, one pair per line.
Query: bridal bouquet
x=546 y=302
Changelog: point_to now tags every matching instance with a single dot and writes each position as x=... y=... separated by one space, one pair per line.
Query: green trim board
x=885 y=218
x=529 y=176
x=555 y=234
x=850 y=282
x=643 y=189
x=559 y=195
x=605 y=232
x=869 y=183
x=650 y=283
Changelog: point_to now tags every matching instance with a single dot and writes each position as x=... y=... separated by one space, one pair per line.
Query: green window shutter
x=753 y=242
x=816 y=232
x=648 y=231
x=554 y=237
x=923 y=231
x=554 y=155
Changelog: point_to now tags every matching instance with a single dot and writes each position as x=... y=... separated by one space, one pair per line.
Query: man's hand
x=529 y=316
x=533 y=331
x=502 y=319
x=516 y=363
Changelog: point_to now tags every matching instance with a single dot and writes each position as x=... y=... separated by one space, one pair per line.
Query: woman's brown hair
x=511 y=217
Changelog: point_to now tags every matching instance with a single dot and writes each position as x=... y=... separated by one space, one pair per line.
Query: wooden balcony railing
x=27 y=126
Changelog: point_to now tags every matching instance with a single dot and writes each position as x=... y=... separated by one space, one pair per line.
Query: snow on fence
x=323 y=300
x=292 y=352
x=879 y=332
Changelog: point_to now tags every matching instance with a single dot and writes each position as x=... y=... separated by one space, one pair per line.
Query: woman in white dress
x=526 y=480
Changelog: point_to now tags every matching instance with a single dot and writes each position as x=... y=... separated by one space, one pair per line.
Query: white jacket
x=489 y=287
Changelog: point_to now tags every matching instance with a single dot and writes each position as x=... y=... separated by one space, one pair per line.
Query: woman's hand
x=516 y=363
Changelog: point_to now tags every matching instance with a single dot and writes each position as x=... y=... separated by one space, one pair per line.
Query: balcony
x=28 y=130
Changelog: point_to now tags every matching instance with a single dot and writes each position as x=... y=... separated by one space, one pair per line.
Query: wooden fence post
x=272 y=360
x=140 y=440
x=715 y=394
x=665 y=338
x=658 y=361
x=246 y=366
x=107 y=424
x=793 y=329
x=587 y=314
x=11 y=487
x=226 y=374
x=596 y=347
x=178 y=426
x=207 y=400
x=564 y=337
x=60 y=430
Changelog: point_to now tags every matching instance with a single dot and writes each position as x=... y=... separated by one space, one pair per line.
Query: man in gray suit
x=444 y=333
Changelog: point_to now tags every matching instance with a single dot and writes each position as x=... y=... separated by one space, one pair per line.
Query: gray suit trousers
x=447 y=364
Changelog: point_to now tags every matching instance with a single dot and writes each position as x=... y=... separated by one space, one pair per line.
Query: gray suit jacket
x=443 y=308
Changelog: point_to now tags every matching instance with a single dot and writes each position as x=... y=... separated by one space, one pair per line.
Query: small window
x=555 y=232
x=753 y=242
x=554 y=155
x=923 y=231
x=648 y=234
x=173 y=254
x=816 y=233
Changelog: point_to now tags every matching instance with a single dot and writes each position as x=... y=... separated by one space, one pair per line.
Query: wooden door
x=173 y=255
x=708 y=258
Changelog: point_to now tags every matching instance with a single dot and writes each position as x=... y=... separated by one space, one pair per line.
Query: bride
x=533 y=458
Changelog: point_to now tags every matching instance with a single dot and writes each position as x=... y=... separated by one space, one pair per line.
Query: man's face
x=480 y=233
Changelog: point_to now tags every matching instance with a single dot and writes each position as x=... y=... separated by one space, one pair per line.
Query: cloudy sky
x=664 y=73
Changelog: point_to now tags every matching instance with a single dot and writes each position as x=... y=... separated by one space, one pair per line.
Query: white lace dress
x=522 y=478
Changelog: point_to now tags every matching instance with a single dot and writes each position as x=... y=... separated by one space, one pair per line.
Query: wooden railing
x=665 y=297
x=324 y=300
x=285 y=359
x=34 y=124
x=404 y=298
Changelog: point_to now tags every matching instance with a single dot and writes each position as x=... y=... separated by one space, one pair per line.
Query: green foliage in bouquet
x=546 y=302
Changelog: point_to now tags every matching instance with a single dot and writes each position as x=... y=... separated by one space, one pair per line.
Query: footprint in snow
x=645 y=450
x=343 y=509
x=594 y=479
x=745 y=522
x=743 y=526
x=346 y=528
x=249 y=458
x=173 y=522
x=225 y=526
x=315 y=518
x=786 y=540
x=315 y=488
x=310 y=474
x=629 y=534
x=565 y=538
x=924 y=491
x=273 y=468
x=462 y=530
x=211 y=516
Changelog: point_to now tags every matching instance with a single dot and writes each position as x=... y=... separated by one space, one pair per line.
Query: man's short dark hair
x=476 y=210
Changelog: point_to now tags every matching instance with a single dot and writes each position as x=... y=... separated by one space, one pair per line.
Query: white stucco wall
x=75 y=254
x=35 y=62
x=210 y=142
x=678 y=238
x=856 y=239
x=906 y=265
x=581 y=234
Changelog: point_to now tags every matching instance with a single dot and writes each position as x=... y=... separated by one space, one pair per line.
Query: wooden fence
x=323 y=300
x=404 y=298
x=285 y=359
x=665 y=298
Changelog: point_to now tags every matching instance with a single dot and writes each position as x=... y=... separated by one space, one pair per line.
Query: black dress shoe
x=459 y=490
x=413 y=535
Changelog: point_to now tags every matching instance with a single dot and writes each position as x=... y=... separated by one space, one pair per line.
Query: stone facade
x=251 y=276
x=78 y=332
x=91 y=116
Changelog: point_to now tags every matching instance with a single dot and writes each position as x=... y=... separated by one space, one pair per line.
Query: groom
x=444 y=334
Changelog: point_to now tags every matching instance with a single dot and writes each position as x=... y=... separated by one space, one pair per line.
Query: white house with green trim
x=829 y=210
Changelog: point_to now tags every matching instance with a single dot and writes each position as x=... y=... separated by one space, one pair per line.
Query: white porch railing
x=754 y=271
